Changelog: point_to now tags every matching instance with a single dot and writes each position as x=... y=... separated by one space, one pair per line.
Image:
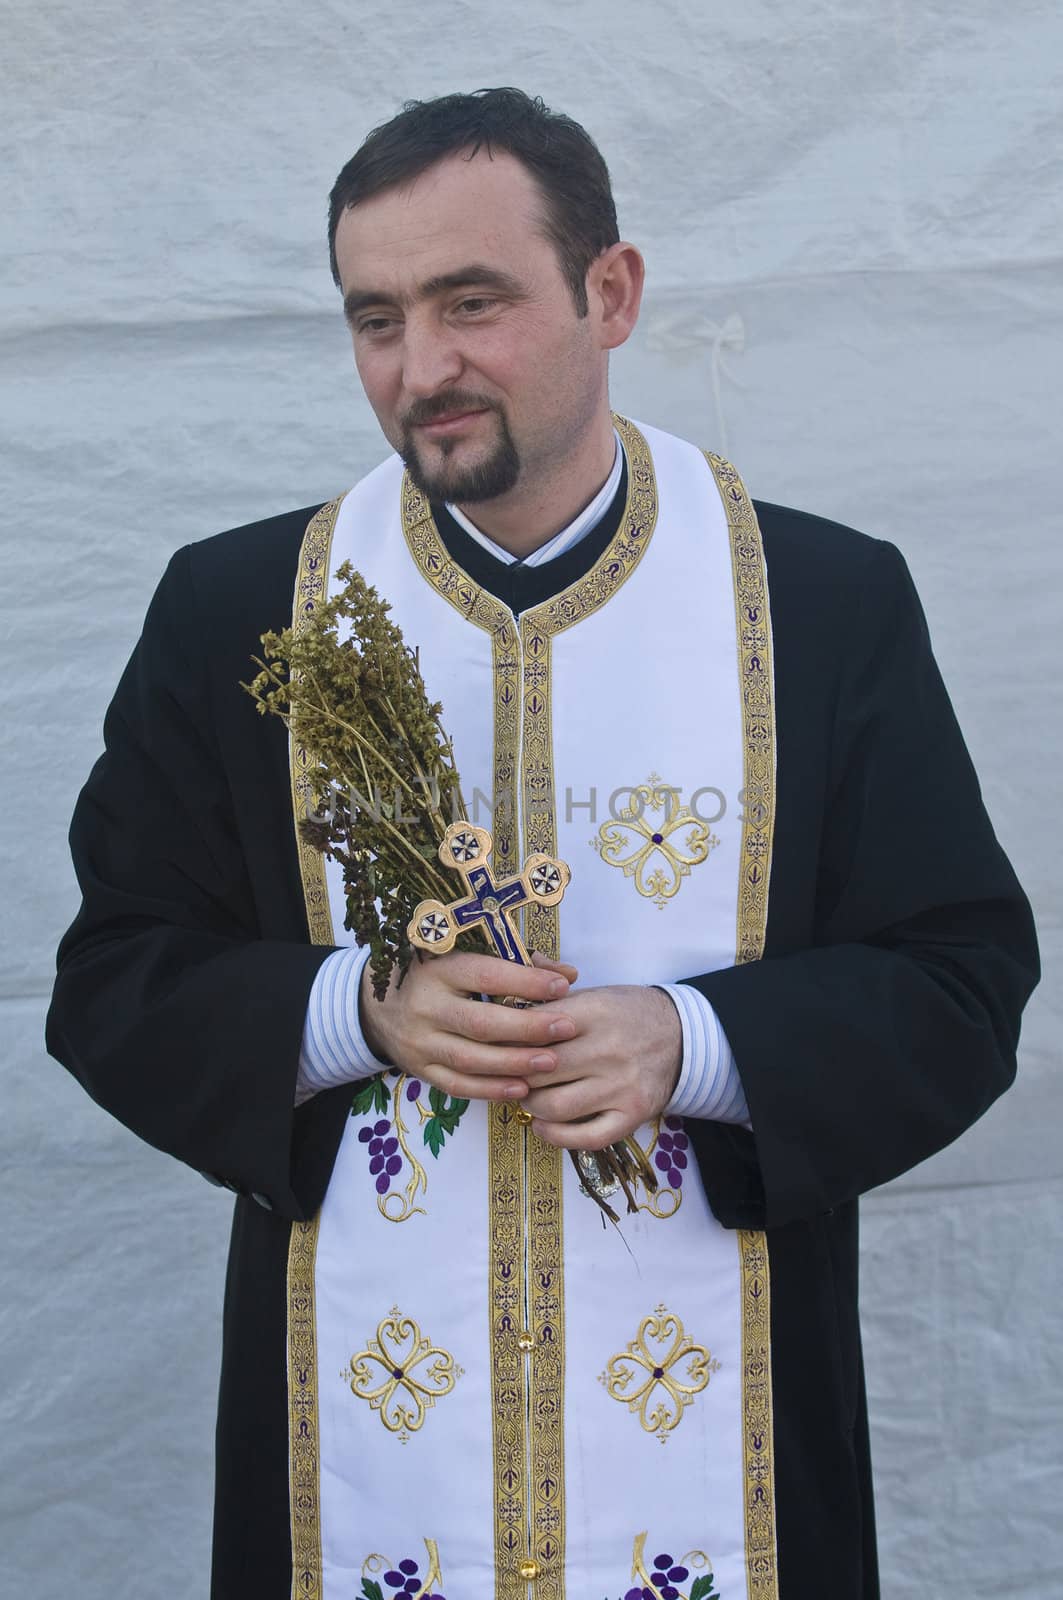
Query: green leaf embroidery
x=444 y=1121
x=703 y=1588
x=453 y=1114
x=371 y=1096
x=371 y=1590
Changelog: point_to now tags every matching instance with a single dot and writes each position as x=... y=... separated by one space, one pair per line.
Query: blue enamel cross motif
x=466 y=847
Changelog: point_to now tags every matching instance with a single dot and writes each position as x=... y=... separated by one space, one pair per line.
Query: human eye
x=476 y=305
x=375 y=327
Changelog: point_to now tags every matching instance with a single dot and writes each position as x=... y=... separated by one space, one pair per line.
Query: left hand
x=618 y=1071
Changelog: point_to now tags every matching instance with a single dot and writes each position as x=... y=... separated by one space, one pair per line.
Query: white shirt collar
x=577 y=529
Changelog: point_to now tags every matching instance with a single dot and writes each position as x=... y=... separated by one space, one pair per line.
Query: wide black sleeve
x=897 y=1027
x=170 y=1007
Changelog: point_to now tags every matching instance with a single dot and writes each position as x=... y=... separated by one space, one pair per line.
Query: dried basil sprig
x=350 y=690
x=385 y=789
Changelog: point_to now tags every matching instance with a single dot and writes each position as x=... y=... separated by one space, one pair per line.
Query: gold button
x=525 y=1341
x=529 y=1570
x=522 y=1115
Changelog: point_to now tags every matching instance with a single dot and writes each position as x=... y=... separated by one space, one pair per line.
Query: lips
x=449 y=424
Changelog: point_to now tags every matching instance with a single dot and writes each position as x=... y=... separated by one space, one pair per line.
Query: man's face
x=466 y=337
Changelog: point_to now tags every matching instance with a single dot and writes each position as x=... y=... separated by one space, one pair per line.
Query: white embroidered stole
x=489 y=1392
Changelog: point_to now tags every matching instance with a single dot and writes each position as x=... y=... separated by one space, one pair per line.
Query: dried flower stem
x=358 y=705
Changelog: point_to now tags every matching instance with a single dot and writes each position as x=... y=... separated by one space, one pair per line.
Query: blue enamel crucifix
x=466 y=847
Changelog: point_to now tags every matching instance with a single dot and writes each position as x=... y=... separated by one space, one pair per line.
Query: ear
x=614 y=293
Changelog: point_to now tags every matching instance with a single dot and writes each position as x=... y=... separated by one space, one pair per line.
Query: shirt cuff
x=334 y=1049
x=709 y=1085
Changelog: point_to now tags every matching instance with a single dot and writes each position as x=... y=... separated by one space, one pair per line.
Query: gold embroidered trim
x=509 y=1369
x=753 y=622
x=546 y=1292
x=624 y=551
x=402 y=1374
x=505 y=662
x=436 y=567
x=660 y=1372
x=543 y=1217
x=304 y=1465
x=527 y=1398
x=761 y=1572
x=310 y=586
x=538 y=810
x=582 y=598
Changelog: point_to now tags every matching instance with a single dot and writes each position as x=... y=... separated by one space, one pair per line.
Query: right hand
x=435 y=1026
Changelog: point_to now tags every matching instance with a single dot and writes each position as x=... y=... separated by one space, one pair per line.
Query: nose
x=430 y=357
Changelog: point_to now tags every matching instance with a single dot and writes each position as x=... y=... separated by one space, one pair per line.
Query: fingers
x=436 y=1026
x=548 y=964
x=570 y=1101
x=475 y=1050
x=455 y=1053
x=463 y=1086
x=593 y=1134
x=583 y=1100
x=490 y=975
x=494 y=1024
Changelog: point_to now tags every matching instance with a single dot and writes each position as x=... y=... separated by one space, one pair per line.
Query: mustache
x=445 y=405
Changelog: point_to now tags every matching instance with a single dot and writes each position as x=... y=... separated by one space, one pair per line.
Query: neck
x=533 y=512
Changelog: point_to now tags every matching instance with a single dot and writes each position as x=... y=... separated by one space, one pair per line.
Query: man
x=801 y=953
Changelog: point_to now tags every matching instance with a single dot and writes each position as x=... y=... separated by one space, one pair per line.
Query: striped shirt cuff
x=334 y=1048
x=709 y=1085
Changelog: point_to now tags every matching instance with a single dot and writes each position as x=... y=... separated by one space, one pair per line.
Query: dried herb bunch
x=350 y=690
x=385 y=789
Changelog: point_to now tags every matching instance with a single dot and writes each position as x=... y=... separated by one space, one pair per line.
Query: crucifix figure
x=466 y=848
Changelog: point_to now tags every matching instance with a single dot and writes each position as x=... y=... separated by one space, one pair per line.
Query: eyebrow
x=481 y=277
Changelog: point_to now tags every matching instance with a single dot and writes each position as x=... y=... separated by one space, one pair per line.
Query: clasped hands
x=590 y=1065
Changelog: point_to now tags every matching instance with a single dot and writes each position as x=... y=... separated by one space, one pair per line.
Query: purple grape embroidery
x=385 y=1158
x=403 y=1581
x=397 y=1175
x=669 y=1577
x=672 y=1154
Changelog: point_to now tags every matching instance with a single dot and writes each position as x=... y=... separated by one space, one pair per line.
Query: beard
x=493 y=475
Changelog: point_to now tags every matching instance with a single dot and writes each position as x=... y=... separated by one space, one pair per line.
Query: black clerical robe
x=880 y=1023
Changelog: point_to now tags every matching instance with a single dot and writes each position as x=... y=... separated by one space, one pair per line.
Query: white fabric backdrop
x=851 y=219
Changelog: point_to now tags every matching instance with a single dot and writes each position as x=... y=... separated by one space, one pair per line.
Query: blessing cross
x=543 y=880
x=435 y=926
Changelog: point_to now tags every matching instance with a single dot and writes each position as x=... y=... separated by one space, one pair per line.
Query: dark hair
x=565 y=162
